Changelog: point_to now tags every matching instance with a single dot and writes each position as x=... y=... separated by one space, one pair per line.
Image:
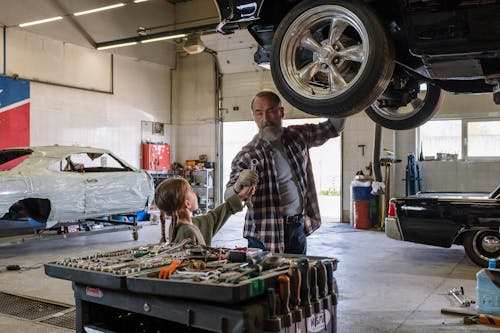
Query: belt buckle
x=294 y=219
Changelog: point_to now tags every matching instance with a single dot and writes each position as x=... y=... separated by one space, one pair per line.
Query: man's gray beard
x=271 y=136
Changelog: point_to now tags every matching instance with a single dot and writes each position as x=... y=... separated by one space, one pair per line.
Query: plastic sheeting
x=75 y=195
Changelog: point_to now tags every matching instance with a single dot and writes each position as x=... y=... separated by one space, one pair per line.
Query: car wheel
x=404 y=105
x=482 y=245
x=331 y=57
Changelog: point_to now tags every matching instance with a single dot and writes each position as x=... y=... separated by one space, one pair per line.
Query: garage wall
x=194 y=108
x=70 y=116
x=452 y=175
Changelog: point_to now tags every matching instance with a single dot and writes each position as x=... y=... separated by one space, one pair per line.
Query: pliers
x=166 y=273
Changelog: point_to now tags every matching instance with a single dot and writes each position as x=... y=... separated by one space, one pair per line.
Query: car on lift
x=53 y=185
x=393 y=59
x=447 y=218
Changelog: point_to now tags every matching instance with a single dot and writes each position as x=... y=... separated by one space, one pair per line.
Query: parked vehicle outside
x=447 y=218
x=56 y=184
x=338 y=57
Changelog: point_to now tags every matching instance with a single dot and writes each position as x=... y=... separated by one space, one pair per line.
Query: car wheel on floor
x=482 y=245
x=331 y=57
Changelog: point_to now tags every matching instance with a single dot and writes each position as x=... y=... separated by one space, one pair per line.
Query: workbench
x=131 y=298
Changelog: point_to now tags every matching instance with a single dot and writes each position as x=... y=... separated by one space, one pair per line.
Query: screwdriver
x=314 y=289
x=321 y=274
x=272 y=323
x=332 y=287
x=294 y=274
x=286 y=319
x=304 y=287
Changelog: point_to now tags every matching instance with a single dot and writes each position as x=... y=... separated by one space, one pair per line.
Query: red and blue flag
x=14 y=112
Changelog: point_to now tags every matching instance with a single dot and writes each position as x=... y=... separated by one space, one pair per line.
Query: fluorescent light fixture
x=116 y=45
x=121 y=4
x=137 y=1
x=163 y=38
x=51 y=19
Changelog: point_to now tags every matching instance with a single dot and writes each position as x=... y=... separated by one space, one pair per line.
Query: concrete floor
x=385 y=285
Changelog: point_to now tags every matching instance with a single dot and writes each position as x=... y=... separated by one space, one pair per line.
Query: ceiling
x=235 y=51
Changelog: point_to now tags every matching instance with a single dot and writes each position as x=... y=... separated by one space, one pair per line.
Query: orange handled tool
x=166 y=273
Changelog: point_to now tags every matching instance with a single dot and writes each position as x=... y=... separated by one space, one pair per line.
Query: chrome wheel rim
x=404 y=112
x=487 y=244
x=324 y=52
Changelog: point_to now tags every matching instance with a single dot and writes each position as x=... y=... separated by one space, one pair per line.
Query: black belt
x=294 y=219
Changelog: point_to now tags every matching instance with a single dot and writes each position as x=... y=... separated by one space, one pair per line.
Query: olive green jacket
x=205 y=226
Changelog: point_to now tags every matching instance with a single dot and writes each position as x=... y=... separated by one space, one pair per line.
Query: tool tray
x=109 y=269
x=85 y=276
x=129 y=270
x=219 y=292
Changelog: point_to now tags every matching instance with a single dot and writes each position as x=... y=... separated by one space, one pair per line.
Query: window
x=459 y=139
x=90 y=162
x=483 y=138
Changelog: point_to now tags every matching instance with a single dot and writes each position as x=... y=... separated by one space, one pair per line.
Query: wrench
x=253 y=163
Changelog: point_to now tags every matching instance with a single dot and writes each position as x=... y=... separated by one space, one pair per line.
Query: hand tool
x=295 y=283
x=330 y=282
x=314 y=289
x=273 y=322
x=166 y=273
x=458 y=295
x=253 y=166
x=286 y=316
x=489 y=319
x=482 y=319
x=322 y=288
x=305 y=295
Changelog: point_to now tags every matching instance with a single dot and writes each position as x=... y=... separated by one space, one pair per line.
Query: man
x=285 y=208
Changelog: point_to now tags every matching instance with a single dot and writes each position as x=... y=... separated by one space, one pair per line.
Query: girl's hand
x=247 y=191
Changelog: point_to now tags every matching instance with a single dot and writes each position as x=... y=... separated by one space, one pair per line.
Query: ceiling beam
x=139 y=38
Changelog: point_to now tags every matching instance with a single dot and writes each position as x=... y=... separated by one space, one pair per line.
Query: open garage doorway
x=326 y=163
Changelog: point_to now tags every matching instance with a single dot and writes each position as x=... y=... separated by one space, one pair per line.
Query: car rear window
x=9 y=159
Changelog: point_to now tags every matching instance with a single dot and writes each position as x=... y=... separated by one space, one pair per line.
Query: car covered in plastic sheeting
x=56 y=184
x=447 y=218
x=393 y=59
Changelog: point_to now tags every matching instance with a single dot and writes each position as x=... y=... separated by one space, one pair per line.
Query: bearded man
x=284 y=210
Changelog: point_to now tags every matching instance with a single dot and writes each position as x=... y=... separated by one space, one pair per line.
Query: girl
x=176 y=198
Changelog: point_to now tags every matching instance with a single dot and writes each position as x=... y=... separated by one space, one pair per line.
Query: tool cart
x=181 y=287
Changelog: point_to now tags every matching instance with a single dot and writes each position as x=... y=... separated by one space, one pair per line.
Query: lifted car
x=338 y=57
x=447 y=218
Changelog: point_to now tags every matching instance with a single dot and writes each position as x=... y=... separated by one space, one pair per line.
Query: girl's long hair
x=169 y=198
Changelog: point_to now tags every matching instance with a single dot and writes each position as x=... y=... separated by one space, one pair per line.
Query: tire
x=337 y=76
x=417 y=112
x=482 y=245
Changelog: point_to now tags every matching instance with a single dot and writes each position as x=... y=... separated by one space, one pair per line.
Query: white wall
x=67 y=116
x=452 y=175
x=194 y=108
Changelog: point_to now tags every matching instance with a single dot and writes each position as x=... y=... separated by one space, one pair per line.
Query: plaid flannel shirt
x=264 y=221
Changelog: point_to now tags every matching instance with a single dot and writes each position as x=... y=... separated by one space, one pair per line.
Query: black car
x=447 y=218
x=338 y=57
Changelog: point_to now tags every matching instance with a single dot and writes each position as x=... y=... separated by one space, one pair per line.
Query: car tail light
x=392 y=210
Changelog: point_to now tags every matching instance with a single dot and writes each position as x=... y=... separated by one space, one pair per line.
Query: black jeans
x=295 y=239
